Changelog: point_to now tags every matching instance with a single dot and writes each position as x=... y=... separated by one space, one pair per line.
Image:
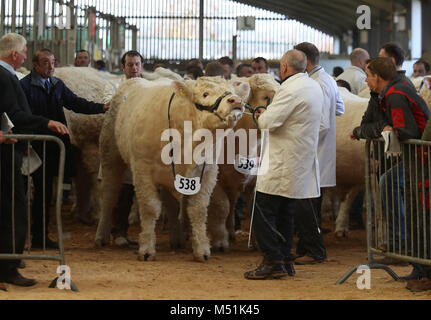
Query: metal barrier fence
x=398 y=204
x=27 y=169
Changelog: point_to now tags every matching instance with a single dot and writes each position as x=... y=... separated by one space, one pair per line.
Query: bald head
x=359 y=58
x=292 y=62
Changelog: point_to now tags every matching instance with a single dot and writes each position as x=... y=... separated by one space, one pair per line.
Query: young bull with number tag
x=132 y=135
x=235 y=178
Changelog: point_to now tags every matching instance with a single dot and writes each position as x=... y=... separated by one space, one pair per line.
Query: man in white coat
x=310 y=248
x=355 y=74
x=292 y=120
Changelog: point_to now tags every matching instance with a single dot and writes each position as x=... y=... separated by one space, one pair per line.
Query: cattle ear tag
x=182 y=92
x=187 y=186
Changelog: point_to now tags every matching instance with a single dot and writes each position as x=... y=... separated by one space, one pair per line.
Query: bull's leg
x=82 y=205
x=218 y=212
x=342 y=222
x=150 y=207
x=230 y=220
x=87 y=208
x=172 y=210
x=111 y=186
x=92 y=163
x=197 y=211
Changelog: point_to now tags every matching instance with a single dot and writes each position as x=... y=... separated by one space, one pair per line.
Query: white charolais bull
x=350 y=157
x=230 y=183
x=96 y=86
x=84 y=136
x=425 y=91
x=131 y=136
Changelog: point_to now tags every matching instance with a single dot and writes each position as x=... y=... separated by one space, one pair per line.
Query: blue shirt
x=8 y=67
x=39 y=79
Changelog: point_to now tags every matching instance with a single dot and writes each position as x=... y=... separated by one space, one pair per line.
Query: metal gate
x=398 y=204
x=28 y=165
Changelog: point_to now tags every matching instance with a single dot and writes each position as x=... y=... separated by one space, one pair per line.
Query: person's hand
x=352 y=137
x=5 y=140
x=57 y=127
x=106 y=106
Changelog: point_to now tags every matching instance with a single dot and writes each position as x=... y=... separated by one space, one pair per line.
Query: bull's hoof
x=101 y=243
x=201 y=258
x=146 y=257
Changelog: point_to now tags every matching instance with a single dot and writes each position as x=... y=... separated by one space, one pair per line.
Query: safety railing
x=30 y=163
x=398 y=204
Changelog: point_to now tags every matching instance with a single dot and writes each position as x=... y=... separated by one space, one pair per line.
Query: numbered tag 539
x=187 y=186
x=246 y=165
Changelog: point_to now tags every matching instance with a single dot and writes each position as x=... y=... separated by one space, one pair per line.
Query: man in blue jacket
x=47 y=95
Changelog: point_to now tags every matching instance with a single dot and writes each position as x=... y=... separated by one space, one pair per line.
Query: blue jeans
x=395 y=195
x=274 y=219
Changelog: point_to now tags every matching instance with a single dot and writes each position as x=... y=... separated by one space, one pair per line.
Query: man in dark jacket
x=14 y=104
x=401 y=110
x=393 y=51
x=47 y=96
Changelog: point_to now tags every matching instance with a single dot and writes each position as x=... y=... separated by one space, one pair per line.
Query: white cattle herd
x=129 y=136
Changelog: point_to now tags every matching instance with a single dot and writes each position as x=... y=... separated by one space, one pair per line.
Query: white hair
x=358 y=55
x=11 y=42
x=295 y=59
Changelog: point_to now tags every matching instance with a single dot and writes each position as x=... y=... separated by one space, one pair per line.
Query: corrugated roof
x=331 y=16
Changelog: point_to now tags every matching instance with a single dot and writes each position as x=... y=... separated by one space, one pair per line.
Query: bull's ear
x=182 y=89
x=242 y=89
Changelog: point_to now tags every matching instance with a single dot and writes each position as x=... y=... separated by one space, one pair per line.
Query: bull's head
x=262 y=91
x=217 y=103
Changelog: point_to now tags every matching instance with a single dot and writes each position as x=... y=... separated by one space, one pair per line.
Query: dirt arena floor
x=114 y=273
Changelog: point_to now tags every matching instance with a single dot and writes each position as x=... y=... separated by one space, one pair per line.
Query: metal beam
x=334 y=17
x=201 y=29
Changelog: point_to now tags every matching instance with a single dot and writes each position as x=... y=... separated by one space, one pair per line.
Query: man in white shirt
x=355 y=74
x=310 y=248
x=292 y=120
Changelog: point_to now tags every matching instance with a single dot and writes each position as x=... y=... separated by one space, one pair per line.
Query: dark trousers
x=122 y=210
x=307 y=221
x=273 y=226
x=38 y=209
x=20 y=209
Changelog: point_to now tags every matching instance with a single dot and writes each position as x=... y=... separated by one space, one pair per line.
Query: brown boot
x=267 y=270
x=419 y=285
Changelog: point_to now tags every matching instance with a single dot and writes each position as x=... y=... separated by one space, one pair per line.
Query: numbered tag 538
x=246 y=165
x=187 y=186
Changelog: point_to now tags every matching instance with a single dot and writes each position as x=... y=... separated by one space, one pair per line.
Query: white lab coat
x=355 y=77
x=327 y=149
x=293 y=120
